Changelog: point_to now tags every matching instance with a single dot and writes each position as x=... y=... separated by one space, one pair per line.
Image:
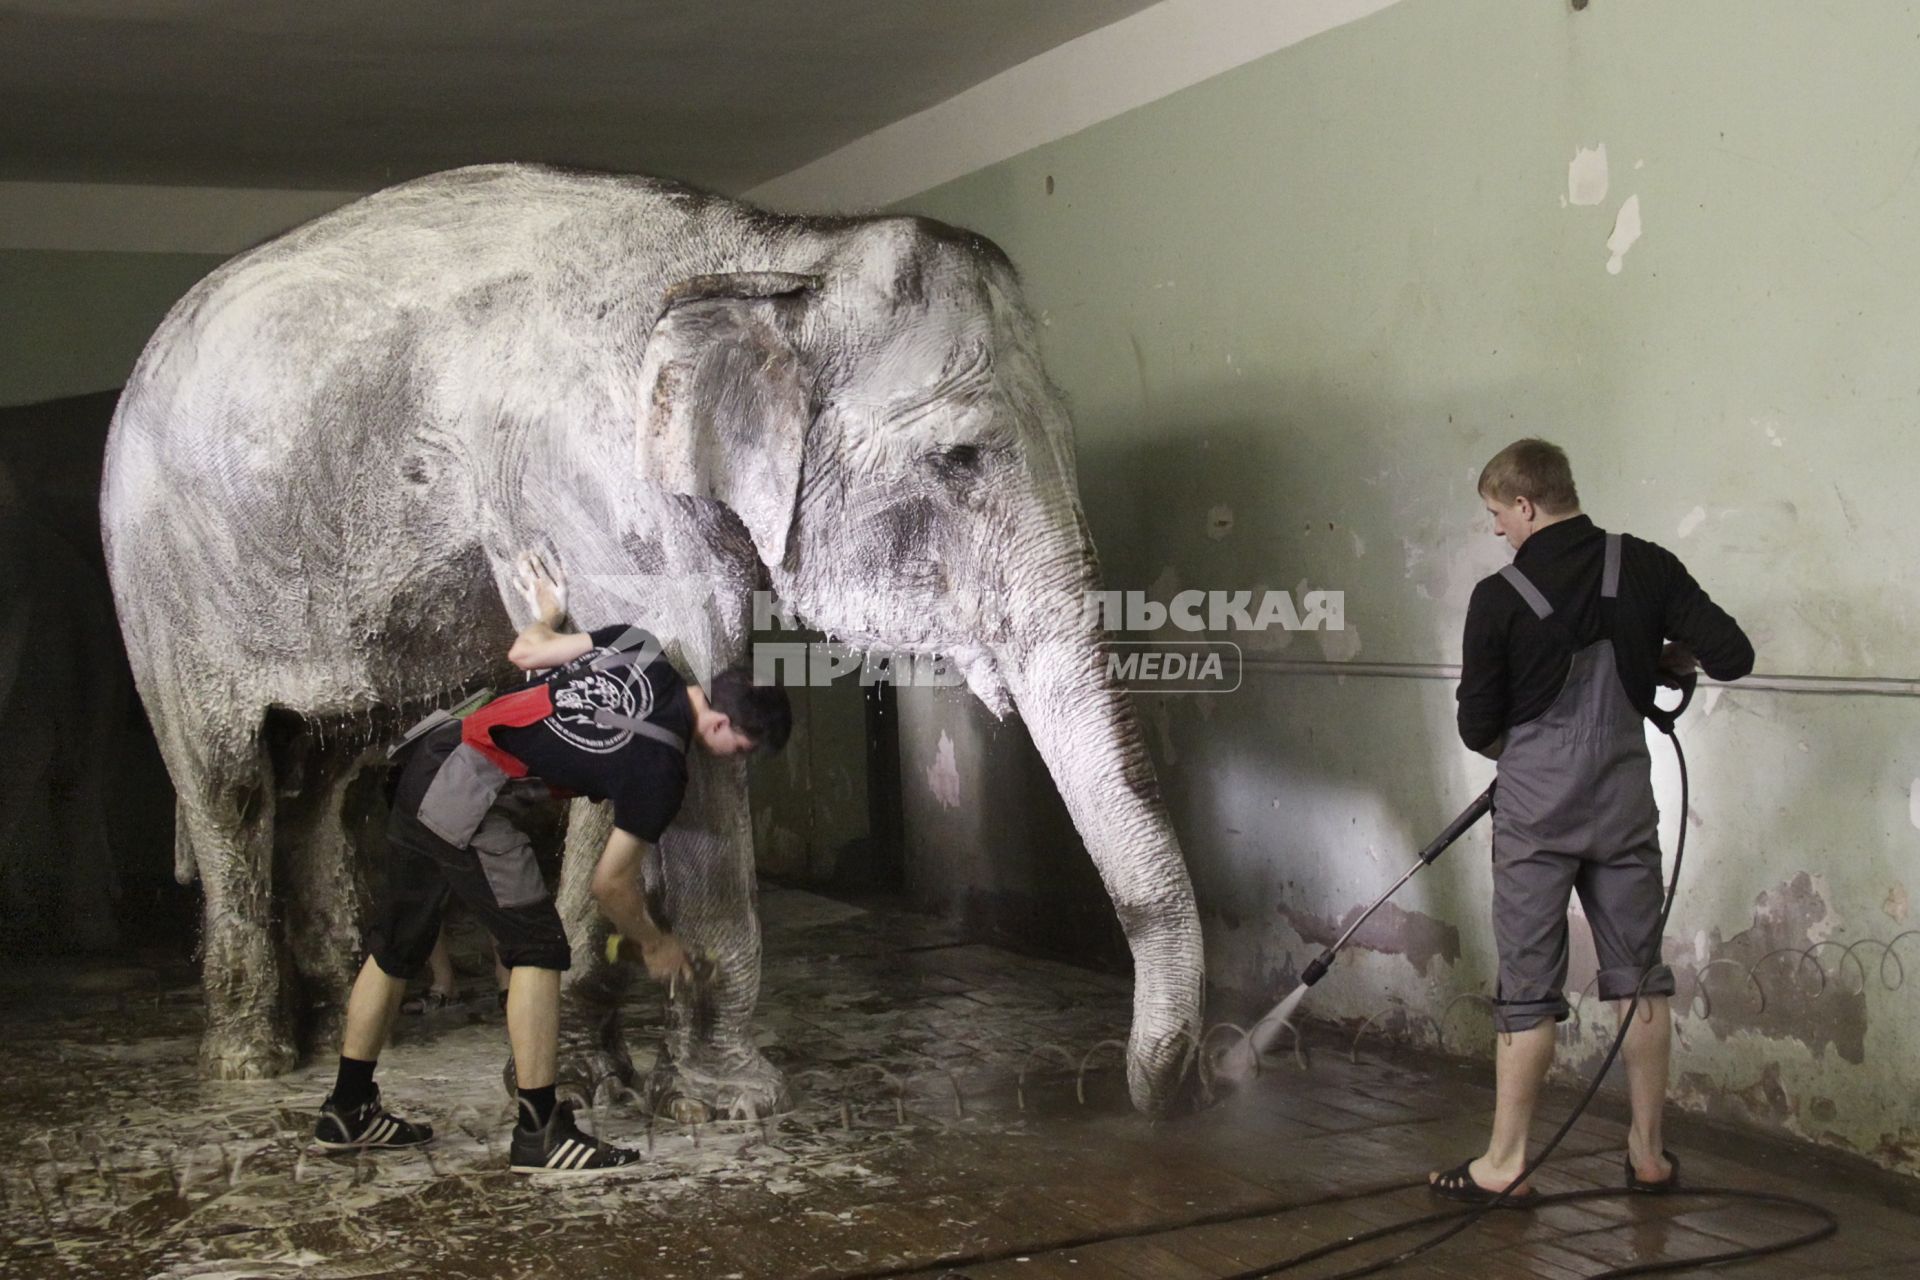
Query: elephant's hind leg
x=226 y=818
x=318 y=867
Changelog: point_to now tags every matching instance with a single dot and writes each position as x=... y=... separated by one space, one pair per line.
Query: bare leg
x=533 y=1025
x=370 y=1012
x=1648 y=1046
x=1520 y=1063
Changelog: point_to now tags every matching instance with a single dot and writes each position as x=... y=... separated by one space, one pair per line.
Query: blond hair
x=1532 y=469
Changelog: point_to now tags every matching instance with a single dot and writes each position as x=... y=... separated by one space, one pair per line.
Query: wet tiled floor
x=961 y=1112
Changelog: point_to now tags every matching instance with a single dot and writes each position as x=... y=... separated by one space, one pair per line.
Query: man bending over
x=607 y=718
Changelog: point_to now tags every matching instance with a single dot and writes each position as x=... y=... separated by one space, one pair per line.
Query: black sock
x=354 y=1085
x=540 y=1102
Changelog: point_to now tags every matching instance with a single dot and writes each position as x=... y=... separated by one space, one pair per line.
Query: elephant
x=332 y=449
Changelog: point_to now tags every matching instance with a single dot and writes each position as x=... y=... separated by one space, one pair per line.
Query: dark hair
x=1533 y=469
x=761 y=711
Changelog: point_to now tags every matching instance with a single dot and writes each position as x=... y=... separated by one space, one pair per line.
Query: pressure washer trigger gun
x=1664 y=719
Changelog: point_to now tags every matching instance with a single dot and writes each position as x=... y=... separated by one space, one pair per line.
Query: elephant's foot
x=742 y=1087
x=242 y=1052
x=592 y=1054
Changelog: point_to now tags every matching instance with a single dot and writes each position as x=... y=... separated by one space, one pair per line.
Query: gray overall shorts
x=1574 y=813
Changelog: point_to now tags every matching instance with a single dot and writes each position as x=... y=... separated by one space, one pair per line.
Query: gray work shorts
x=494 y=874
x=1621 y=894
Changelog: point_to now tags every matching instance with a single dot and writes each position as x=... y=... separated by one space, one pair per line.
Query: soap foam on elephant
x=335 y=445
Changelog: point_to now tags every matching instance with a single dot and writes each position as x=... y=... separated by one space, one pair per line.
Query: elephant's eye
x=961 y=457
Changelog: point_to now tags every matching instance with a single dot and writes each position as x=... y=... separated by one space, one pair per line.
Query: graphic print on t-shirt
x=591 y=684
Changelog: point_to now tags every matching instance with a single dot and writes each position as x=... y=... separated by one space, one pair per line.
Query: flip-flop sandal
x=1457 y=1184
x=1659 y=1188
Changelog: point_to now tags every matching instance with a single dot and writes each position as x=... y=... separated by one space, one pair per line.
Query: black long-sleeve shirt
x=1513 y=663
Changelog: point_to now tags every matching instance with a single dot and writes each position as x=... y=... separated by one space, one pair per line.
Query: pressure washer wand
x=1244 y=1058
x=1455 y=829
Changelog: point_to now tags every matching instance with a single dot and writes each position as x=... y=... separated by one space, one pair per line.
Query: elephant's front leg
x=593 y=1044
x=709 y=1065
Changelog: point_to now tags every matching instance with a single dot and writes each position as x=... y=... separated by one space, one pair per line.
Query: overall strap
x=1610 y=578
x=607 y=719
x=1528 y=592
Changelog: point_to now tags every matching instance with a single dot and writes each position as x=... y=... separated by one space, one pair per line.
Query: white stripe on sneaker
x=557 y=1159
x=581 y=1159
x=382 y=1131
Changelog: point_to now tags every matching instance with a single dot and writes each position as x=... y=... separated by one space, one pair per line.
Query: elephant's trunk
x=1085 y=728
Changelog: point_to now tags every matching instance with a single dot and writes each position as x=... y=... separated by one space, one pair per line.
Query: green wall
x=71 y=323
x=1320 y=290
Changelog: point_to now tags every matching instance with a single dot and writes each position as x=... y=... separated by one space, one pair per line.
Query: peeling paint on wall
x=1801 y=1005
x=1219 y=522
x=1691 y=521
x=1626 y=230
x=943 y=775
x=1763 y=1101
x=1587 y=176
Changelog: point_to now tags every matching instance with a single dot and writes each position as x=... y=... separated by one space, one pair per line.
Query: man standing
x=1562 y=652
x=609 y=720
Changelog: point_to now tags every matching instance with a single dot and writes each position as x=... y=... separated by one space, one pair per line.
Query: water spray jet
x=1242 y=1061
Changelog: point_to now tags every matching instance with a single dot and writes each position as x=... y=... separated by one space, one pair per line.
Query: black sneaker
x=560 y=1147
x=367 y=1125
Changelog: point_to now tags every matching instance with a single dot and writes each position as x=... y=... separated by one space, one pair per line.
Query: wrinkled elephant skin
x=334 y=446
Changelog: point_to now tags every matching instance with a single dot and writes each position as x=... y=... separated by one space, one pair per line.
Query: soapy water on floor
x=893 y=1029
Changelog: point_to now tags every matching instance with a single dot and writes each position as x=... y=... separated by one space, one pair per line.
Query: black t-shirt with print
x=645 y=779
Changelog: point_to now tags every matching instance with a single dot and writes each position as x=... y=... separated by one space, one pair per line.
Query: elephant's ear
x=725 y=401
